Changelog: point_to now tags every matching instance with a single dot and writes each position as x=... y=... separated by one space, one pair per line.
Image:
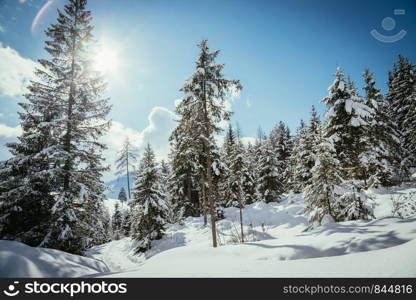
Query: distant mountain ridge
x=115 y=185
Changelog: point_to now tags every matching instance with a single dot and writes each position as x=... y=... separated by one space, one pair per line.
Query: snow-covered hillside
x=277 y=246
x=19 y=260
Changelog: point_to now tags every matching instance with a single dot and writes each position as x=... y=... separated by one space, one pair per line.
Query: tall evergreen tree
x=116 y=222
x=240 y=181
x=253 y=171
x=81 y=121
x=301 y=159
x=174 y=213
x=282 y=146
x=381 y=139
x=122 y=195
x=127 y=157
x=303 y=155
x=324 y=188
x=183 y=178
x=402 y=109
x=148 y=204
x=315 y=122
x=270 y=186
x=126 y=220
x=57 y=164
x=228 y=155
x=201 y=110
x=347 y=121
x=27 y=179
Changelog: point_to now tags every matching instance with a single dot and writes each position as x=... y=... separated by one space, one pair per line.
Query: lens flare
x=39 y=15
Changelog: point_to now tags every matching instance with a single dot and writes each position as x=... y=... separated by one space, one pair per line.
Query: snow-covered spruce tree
x=347 y=122
x=323 y=190
x=61 y=124
x=282 y=146
x=269 y=182
x=240 y=181
x=402 y=109
x=201 y=110
x=255 y=154
x=315 y=122
x=313 y=132
x=174 y=213
x=303 y=155
x=241 y=172
x=148 y=205
x=94 y=220
x=251 y=171
x=77 y=90
x=404 y=205
x=353 y=204
x=27 y=179
x=116 y=222
x=126 y=222
x=410 y=133
x=302 y=159
x=126 y=158
x=218 y=175
x=122 y=195
x=183 y=179
x=228 y=153
x=380 y=157
x=248 y=181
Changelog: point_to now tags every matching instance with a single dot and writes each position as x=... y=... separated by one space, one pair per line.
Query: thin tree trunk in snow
x=212 y=205
x=128 y=175
x=241 y=221
x=204 y=199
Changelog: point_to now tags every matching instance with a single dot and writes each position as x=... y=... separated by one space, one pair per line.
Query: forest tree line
x=51 y=191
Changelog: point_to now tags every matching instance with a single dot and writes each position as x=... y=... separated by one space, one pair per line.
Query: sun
x=105 y=60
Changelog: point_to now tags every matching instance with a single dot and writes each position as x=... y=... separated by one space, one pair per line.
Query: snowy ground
x=19 y=260
x=277 y=245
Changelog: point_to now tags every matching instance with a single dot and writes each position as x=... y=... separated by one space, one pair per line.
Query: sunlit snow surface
x=277 y=245
x=19 y=260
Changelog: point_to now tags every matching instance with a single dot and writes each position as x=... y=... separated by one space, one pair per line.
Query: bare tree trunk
x=212 y=205
x=328 y=201
x=128 y=175
x=241 y=221
x=204 y=199
x=189 y=185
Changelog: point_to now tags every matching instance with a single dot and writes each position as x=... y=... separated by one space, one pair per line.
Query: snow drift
x=19 y=260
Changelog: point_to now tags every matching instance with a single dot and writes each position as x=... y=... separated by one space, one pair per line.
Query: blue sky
x=284 y=52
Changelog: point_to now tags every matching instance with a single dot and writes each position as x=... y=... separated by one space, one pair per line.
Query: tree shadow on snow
x=293 y=252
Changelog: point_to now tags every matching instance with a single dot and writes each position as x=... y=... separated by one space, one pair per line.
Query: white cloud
x=2 y=29
x=15 y=72
x=7 y=134
x=157 y=133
